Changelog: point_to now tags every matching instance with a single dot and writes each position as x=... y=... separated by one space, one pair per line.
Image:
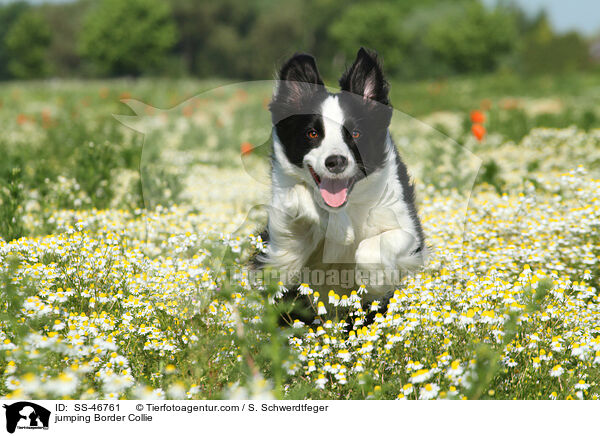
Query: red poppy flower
x=478 y=131
x=477 y=117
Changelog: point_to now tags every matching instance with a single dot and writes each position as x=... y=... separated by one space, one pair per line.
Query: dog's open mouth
x=334 y=191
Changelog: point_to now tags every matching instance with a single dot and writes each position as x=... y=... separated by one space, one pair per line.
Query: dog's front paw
x=382 y=259
x=401 y=250
x=368 y=252
x=368 y=260
x=390 y=250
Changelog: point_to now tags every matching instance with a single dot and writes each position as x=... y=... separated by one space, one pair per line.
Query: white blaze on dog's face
x=331 y=141
x=332 y=164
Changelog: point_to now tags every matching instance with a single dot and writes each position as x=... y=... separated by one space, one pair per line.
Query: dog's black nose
x=336 y=163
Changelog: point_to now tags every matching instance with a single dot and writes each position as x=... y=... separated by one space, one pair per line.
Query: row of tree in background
x=247 y=39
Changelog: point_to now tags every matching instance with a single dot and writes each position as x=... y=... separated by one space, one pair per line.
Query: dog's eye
x=312 y=134
x=355 y=134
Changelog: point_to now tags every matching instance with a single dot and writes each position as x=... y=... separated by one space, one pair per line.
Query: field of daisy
x=124 y=243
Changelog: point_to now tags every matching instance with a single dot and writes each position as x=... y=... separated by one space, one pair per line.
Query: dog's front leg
x=383 y=253
x=295 y=229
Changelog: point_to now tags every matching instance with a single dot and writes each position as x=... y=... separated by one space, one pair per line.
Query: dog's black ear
x=298 y=78
x=365 y=77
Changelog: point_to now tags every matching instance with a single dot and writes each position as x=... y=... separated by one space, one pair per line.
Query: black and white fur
x=324 y=143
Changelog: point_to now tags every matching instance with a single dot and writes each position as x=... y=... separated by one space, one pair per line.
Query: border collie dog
x=341 y=197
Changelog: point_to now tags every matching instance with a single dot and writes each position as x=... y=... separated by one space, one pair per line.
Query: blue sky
x=565 y=15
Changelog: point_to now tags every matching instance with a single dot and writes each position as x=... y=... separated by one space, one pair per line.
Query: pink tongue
x=334 y=191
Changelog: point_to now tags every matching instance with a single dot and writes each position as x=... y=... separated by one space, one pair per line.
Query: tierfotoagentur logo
x=25 y=415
